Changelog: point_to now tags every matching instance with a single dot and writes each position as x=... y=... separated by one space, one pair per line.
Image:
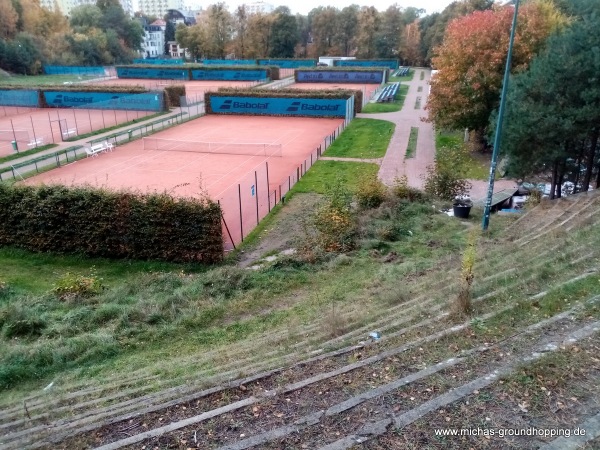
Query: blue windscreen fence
x=337 y=76
x=273 y=106
x=159 y=62
x=287 y=63
x=229 y=74
x=147 y=101
x=95 y=71
x=153 y=73
x=20 y=97
x=387 y=63
x=229 y=62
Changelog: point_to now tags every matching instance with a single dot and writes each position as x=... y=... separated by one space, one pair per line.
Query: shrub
x=403 y=191
x=446 y=178
x=71 y=286
x=462 y=302
x=335 y=224
x=173 y=95
x=371 y=192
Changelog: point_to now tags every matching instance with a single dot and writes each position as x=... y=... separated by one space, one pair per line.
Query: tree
x=471 y=63
x=86 y=16
x=240 y=20
x=552 y=121
x=259 y=35
x=8 y=20
x=218 y=24
x=410 y=45
x=284 y=34
x=368 y=27
x=169 y=35
x=346 y=29
x=388 y=36
x=192 y=38
x=323 y=30
x=433 y=27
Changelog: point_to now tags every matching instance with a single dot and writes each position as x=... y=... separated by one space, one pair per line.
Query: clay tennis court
x=250 y=183
x=367 y=89
x=51 y=125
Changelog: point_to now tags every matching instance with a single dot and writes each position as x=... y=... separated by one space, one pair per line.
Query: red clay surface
x=367 y=89
x=194 y=89
x=50 y=125
x=188 y=173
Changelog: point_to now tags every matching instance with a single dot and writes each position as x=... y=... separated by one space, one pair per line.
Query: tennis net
x=228 y=148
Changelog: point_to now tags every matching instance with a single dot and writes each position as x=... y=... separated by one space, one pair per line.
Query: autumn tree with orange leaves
x=471 y=62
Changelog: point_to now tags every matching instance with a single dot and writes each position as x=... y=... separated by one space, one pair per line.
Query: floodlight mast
x=498 y=136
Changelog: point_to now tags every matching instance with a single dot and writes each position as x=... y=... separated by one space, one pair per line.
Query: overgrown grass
x=418 y=103
x=363 y=138
x=408 y=77
x=42 y=80
x=411 y=148
x=393 y=106
x=476 y=167
x=35 y=273
x=29 y=152
x=325 y=173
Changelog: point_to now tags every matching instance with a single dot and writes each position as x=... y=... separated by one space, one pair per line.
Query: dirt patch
x=286 y=230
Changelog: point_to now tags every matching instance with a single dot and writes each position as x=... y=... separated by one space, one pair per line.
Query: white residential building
x=259 y=7
x=158 y=8
x=154 y=39
x=65 y=6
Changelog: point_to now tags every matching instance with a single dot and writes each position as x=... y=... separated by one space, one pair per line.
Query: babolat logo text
x=66 y=98
x=315 y=107
x=250 y=105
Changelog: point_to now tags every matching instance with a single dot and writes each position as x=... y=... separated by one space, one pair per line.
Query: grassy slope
x=363 y=138
x=393 y=106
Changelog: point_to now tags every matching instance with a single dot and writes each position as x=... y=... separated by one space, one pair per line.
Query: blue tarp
x=335 y=76
x=19 y=97
x=149 y=101
x=279 y=106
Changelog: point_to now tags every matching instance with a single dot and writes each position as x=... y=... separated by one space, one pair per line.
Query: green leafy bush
x=70 y=286
x=446 y=178
x=371 y=192
x=173 y=95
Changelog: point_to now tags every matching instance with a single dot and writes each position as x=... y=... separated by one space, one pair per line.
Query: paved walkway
x=394 y=163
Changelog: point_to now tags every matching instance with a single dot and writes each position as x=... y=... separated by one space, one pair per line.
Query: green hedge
x=173 y=95
x=110 y=224
x=288 y=93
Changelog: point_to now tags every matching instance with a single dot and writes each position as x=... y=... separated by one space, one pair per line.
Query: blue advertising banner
x=229 y=62
x=287 y=63
x=229 y=74
x=336 y=76
x=150 y=101
x=315 y=107
x=19 y=97
x=154 y=73
x=159 y=62
x=95 y=71
x=389 y=64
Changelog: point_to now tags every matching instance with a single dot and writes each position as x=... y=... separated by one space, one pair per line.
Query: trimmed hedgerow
x=173 y=95
x=287 y=93
x=110 y=224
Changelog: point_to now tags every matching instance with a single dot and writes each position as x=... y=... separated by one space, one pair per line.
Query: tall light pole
x=498 y=136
